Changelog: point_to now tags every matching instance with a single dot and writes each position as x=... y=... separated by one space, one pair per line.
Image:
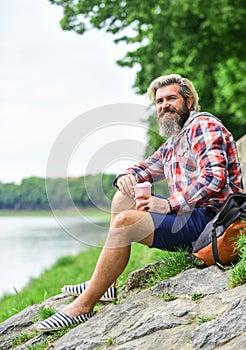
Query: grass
x=45 y=312
x=67 y=270
x=22 y=338
x=172 y=263
x=109 y=341
x=168 y=297
x=206 y=318
x=74 y=269
x=196 y=296
x=238 y=271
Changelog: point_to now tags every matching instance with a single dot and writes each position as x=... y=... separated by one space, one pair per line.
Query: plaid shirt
x=200 y=164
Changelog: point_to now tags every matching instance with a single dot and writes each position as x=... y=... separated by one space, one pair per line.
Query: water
x=28 y=245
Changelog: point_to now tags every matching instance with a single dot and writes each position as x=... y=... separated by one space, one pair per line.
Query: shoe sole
x=51 y=329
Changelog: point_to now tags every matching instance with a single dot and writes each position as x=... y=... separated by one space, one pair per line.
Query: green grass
x=168 y=297
x=72 y=270
x=46 y=312
x=172 y=263
x=197 y=296
x=21 y=338
x=67 y=270
x=238 y=271
x=206 y=318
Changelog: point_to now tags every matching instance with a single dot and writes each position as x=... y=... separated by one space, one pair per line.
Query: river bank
x=67 y=270
x=33 y=241
x=87 y=212
x=186 y=311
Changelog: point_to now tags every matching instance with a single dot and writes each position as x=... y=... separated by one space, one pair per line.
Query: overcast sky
x=49 y=78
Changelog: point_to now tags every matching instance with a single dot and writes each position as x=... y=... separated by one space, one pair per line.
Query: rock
x=232 y=323
x=206 y=281
x=144 y=320
x=137 y=279
x=24 y=321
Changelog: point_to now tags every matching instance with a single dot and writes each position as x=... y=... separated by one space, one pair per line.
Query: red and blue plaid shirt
x=200 y=164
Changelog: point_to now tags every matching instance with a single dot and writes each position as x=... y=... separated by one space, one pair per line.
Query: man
x=199 y=162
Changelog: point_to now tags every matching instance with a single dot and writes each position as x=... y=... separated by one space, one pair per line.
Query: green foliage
x=172 y=263
x=22 y=338
x=156 y=140
x=196 y=296
x=67 y=270
x=109 y=341
x=200 y=39
x=238 y=271
x=41 y=345
x=168 y=297
x=206 y=318
x=45 y=312
x=36 y=193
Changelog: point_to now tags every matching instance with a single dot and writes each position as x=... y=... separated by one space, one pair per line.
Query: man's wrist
x=114 y=184
x=171 y=208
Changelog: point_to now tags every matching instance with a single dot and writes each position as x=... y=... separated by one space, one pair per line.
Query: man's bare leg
x=127 y=227
x=119 y=203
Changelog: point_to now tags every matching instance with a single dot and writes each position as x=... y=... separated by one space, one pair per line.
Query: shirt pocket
x=186 y=161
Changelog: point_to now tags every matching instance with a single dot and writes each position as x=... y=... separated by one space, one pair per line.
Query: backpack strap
x=215 y=247
x=228 y=216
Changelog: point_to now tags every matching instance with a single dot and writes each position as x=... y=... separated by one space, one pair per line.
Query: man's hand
x=125 y=185
x=155 y=204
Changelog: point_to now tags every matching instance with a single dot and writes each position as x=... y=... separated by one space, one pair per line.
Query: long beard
x=172 y=125
x=169 y=126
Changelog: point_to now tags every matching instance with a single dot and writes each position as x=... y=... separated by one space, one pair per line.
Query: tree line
x=36 y=193
x=203 y=40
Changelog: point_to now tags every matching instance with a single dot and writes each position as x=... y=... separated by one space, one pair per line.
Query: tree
x=200 y=39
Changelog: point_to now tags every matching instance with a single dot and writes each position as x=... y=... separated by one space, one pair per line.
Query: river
x=31 y=244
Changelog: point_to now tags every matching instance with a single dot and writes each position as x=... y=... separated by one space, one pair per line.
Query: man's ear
x=190 y=102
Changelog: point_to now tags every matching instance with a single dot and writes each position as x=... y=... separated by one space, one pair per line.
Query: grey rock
x=231 y=324
x=144 y=320
x=206 y=281
x=137 y=279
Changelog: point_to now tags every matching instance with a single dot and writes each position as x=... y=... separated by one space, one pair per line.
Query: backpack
x=217 y=242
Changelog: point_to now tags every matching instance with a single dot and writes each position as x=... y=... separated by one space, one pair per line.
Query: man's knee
x=133 y=226
x=121 y=202
x=124 y=219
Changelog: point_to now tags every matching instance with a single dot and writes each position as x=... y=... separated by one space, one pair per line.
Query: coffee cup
x=142 y=190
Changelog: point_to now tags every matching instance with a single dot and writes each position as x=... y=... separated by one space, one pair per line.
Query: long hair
x=187 y=88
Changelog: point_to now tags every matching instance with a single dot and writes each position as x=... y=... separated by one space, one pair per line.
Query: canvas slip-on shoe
x=61 y=320
x=78 y=289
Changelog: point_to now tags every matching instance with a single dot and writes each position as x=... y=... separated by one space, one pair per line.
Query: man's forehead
x=172 y=89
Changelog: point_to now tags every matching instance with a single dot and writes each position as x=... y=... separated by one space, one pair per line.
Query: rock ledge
x=205 y=315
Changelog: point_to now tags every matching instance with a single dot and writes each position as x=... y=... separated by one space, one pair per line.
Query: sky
x=51 y=82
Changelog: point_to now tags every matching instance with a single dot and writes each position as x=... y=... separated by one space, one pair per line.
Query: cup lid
x=144 y=184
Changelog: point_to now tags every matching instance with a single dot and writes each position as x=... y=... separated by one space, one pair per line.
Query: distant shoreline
x=88 y=212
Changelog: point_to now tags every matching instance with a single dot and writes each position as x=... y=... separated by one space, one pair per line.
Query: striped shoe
x=78 y=289
x=61 y=320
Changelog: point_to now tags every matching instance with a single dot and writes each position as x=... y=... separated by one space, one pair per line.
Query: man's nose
x=165 y=104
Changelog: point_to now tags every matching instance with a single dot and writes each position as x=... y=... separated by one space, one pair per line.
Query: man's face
x=172 y=109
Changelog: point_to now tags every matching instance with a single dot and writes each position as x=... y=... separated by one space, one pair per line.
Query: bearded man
x=199 y=162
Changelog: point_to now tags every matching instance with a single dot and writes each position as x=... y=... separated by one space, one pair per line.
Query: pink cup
x=142 y=190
